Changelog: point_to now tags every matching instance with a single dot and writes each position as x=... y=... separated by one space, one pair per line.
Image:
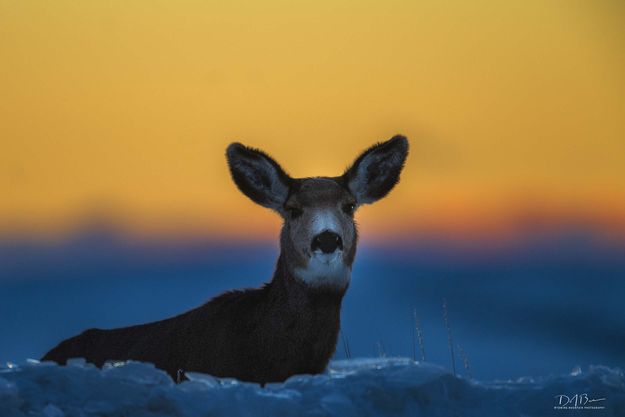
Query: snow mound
x=358 y=387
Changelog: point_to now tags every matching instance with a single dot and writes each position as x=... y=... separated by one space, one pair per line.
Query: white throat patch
x=325 y=269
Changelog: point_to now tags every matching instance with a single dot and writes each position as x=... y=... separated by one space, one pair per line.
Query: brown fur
x=290 y=325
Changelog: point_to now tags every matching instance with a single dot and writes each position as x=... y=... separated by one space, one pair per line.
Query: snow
x=356 y=387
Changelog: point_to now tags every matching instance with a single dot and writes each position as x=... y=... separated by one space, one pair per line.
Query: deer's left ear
x=258 y=176
x=374 y=173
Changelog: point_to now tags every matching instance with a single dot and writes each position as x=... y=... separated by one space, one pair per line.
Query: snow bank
x=359 y=387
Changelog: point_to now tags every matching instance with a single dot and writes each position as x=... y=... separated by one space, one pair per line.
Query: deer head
x=319 y=235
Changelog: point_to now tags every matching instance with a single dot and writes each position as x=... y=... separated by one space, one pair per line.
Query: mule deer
x=290 y=325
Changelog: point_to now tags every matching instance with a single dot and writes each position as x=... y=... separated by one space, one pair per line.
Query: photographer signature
x=578 y=401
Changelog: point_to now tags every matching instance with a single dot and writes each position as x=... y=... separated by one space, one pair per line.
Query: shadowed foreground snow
x=358 y=387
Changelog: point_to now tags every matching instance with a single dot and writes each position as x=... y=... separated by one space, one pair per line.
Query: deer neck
x=300 y=294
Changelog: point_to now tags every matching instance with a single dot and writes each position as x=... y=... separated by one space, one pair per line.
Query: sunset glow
x=122 y=110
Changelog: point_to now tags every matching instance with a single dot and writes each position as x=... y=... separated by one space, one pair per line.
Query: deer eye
x=294 y=212
x=349 y=208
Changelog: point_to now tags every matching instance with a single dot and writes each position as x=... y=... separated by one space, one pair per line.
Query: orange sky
x=123 y=109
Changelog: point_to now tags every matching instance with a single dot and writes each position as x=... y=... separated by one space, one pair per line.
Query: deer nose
x=327 y=242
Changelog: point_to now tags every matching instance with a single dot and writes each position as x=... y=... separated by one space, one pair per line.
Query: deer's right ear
x=258 y=176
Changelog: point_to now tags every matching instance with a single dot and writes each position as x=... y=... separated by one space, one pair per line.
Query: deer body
x=291 y=324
